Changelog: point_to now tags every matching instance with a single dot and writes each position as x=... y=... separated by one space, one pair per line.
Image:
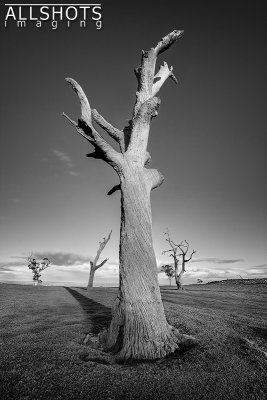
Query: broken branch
x=167 y=41
x=114 y=189
x=163 y=74
x=86 y=129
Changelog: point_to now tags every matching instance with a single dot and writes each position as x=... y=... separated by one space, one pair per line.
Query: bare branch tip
x=69 y=119
x=178 y=33
x=69 y=80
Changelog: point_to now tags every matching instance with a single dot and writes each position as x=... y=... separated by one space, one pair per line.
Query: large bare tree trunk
x=138 y=329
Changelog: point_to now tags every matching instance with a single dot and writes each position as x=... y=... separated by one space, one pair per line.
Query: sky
x=209 y=139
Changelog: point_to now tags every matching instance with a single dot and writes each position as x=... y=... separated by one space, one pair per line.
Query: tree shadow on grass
x=98 y=317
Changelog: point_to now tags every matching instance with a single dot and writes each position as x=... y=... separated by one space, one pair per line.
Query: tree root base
x=182 y=344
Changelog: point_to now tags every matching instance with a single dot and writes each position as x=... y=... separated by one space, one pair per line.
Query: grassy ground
x=42 y=354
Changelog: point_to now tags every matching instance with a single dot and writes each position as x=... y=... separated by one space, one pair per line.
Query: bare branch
x=166 y=251
x=86 y=129
x=114 y=189
x=156 y=178
x=149 y=84
x=170 y=241
x=101 y=264
x=147 y=158
x=173 y=246
x=182 y=250
x=96 y=154
x=190 y=258
x=85 y=106
x=79 y=130
x=173 y=77
x=167 y=41
x=101 y=247
x=163 y=74
x=115 y=133
x=70 y=120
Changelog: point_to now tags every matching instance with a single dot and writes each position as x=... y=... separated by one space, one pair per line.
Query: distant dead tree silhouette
x=37 y=266
x=138 y=329
x=169 y=271
x=93 y=264
x=176 y=251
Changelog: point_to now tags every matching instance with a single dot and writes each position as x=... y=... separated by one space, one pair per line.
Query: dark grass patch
x=42 y=354
x=259 y=331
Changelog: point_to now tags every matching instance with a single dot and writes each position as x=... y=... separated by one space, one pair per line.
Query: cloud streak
x=64 y=259
x=215 y=260
x=66 y=160
x=12 y=265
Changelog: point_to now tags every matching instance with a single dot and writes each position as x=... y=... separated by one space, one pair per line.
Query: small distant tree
x=199 y=281
x=169 y=271
x=94 y=265
x=37 y=266
x=176 y=251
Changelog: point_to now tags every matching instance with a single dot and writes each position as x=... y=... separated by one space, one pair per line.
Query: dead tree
x=138 y=329
x=37 y=266
x=176 y=251
x=184 y=247
x=93 y=264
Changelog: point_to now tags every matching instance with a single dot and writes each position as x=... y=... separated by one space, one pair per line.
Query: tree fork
x=139 y=329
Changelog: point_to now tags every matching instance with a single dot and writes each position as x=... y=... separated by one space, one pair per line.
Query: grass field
x=43 y=356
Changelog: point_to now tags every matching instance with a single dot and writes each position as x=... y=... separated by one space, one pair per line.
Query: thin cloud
x=261 y=266
x=60 y=259
x=217 y=260
x=213 y=260
x=65 y=158
x=12 y=265
x=64 y=259
x=257 y=270
x=73 y=173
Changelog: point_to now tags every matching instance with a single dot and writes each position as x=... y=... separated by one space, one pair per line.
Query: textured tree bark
x=91 y=276
x=139 y=329
x=178 y=277
x=179 y=280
